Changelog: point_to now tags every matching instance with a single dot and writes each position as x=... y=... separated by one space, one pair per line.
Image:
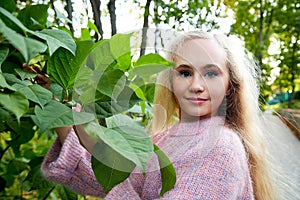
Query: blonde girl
x=241 y=109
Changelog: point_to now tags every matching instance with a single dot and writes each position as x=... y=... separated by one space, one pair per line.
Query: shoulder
x=229 y=147
x=231 y=139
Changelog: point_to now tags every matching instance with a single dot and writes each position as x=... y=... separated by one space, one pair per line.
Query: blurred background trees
x=270 y=29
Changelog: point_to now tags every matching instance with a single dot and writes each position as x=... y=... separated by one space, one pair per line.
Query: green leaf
x=55 y=114
x=111 y=83
x=57 y=38
x=24 y=74
x=60 y=68
x=66 y=69
x=34 y=16
x=92 y=26
x=120 y=49
x=28 y=47
x=107 y=167
x=13 y=19
x=24 y=130
x=35 y=180
x=37 y=94
x=9 y=5
x=3 y=54
x=106 y=106
x=127 y=138
x=85 y=34
x=5 y=115
x=100 y=58
x=150 y=64
x=66 y=193
x=15 y=167
x=15 y=102
x=168 y=173
x=13 y=80
x=3 y=83
x=54 y=38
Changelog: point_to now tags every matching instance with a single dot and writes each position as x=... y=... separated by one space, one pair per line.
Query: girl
x=215 y=145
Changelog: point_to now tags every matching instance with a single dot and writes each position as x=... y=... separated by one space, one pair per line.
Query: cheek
x=218 y=89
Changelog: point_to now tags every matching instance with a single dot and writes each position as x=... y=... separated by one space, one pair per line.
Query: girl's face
x=200 y=79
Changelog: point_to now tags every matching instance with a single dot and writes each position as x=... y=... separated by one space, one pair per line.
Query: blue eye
x=184 y=73
x=211 y=74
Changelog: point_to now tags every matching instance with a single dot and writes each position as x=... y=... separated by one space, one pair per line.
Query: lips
x=197 y=100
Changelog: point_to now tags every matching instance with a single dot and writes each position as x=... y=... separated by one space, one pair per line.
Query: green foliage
x=167 y=171
x=260 y=23
x=43 y=72
x=199 y=14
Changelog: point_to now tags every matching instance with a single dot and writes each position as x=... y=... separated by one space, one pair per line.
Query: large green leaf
x=150 y=64
x=54 y=38
x=107 y=167
x=55 y=114
x=106 y=106
x=168 y=173
x=3 y=54
x=3 y=83
x=9 y=5
x=57 y=38
x=66 y=69
x=85 y=80
x=120 y=49
x=37 y=94
x=11 y=79
x=24 y=130
x=60 y=68
x=100 y=58
x=28 y=47
x=15 y=103
x=111 y=83
x=34 y=16
x=127 y=138
x=13 y=19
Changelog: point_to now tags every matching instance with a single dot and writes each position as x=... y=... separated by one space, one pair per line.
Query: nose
x=197 y=84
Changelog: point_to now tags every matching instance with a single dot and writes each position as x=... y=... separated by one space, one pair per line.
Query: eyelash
x=208 y=74
x=211 y=74
x=184 y=73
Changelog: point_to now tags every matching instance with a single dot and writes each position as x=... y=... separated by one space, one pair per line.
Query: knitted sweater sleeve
x=70 y=164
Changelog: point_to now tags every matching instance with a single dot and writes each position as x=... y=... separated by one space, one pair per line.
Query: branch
x=145 y=27
x=97 y=17
x=112 y=12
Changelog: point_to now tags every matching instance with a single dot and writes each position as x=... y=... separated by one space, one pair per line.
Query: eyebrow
x=205 y=67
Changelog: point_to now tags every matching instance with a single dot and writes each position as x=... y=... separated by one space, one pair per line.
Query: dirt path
x=285 y=147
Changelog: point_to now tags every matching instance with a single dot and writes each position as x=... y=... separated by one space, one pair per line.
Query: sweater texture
x=209 y=158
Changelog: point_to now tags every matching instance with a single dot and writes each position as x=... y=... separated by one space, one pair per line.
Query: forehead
x=200 y=52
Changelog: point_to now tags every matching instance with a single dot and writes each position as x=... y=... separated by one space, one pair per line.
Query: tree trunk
x=69 y=9
x=145 y=28
x=261 y=25
x=97 y=17
x=112 y=12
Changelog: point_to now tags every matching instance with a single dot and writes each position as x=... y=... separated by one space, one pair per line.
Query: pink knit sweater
x=209 y=159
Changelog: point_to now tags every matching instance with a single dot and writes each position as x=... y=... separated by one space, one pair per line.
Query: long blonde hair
x=242 y=112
